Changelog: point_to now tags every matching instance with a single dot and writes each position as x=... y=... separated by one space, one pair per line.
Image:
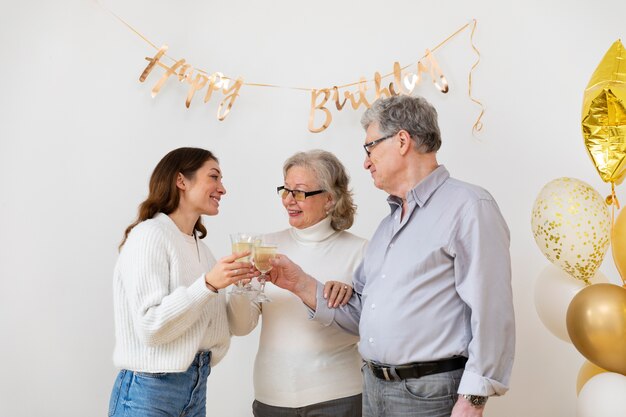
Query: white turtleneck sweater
x=299 y=361
x=164 y=313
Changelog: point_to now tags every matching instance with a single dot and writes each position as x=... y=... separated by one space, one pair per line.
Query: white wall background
x=79 y=136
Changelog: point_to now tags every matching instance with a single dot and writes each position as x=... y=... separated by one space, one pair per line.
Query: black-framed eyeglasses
x=369 y=145
x=298 y=195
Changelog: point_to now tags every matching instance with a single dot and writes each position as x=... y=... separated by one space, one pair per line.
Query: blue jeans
x=428 y=396
x=167 y=394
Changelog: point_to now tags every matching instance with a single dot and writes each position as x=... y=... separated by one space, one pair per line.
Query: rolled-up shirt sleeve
x=483 y=281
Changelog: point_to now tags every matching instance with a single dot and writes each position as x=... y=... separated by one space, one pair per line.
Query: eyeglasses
x=298 y=195
x=368 y=145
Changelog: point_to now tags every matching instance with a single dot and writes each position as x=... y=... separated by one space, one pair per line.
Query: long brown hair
x=163 y=194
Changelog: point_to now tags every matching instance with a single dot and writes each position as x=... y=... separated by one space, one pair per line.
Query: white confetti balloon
x=572 y=226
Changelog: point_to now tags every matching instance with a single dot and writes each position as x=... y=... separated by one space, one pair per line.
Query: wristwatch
x=476 y=401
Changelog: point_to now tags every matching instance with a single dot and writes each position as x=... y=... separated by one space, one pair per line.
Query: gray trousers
x=428 y=396
x=341 y=407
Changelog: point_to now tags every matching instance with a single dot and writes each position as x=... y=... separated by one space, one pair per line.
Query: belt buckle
x=375 y=368
x=386 y=373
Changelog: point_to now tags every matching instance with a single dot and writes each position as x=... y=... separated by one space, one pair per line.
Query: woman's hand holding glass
x=229 y=270
x=288 y=275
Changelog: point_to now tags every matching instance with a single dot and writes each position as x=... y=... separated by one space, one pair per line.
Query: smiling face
x=381 y=162
x=201 y=194
x=312 y=210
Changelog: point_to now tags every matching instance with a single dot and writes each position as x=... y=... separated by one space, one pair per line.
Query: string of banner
x=404 y=82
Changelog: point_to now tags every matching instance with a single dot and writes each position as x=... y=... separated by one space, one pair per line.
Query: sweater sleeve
x=243 y=314
x=160 y=314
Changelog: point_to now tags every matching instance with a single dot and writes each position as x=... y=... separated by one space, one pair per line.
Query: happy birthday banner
x=405 y=79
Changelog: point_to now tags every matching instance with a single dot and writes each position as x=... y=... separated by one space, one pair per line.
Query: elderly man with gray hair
x=432 y=298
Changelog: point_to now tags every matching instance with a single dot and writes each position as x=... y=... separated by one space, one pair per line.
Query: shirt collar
x=316 y=233
x=423 y=190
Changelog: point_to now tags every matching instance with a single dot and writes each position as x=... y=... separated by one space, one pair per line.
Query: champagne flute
x=262 y=254
x=241 y=242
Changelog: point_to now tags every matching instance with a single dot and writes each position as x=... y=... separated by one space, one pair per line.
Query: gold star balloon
x=604 y=115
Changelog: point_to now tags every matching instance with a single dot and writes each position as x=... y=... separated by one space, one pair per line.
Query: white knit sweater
x=299 y=361
x=164 y=313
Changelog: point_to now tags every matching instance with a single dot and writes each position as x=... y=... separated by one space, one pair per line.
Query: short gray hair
x=413 y=114
x=332 y=178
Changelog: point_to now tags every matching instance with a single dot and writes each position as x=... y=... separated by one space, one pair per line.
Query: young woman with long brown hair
x=171 y=322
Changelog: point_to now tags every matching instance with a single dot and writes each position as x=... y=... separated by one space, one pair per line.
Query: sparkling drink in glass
x=241 y=242
x=262 y=253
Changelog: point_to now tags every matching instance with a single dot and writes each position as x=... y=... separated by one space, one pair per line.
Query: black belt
x=415 y=370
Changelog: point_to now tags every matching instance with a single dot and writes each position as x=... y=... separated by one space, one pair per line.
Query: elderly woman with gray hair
x=303 y=368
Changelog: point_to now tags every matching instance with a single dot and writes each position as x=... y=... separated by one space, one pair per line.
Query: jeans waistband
x=201 y=358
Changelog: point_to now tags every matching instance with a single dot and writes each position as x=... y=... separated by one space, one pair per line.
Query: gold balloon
x=572 y=226
x=596 y=323
x=587 y=371
x=604 y=115
x=618 y=244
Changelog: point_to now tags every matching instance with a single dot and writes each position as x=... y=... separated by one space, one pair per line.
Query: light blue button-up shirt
x=436 y=283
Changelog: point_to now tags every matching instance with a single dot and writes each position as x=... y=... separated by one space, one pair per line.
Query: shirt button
x=396 y=217
x=384 y=276
x=373 y=306
x=371 y=340
x=391 y=245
